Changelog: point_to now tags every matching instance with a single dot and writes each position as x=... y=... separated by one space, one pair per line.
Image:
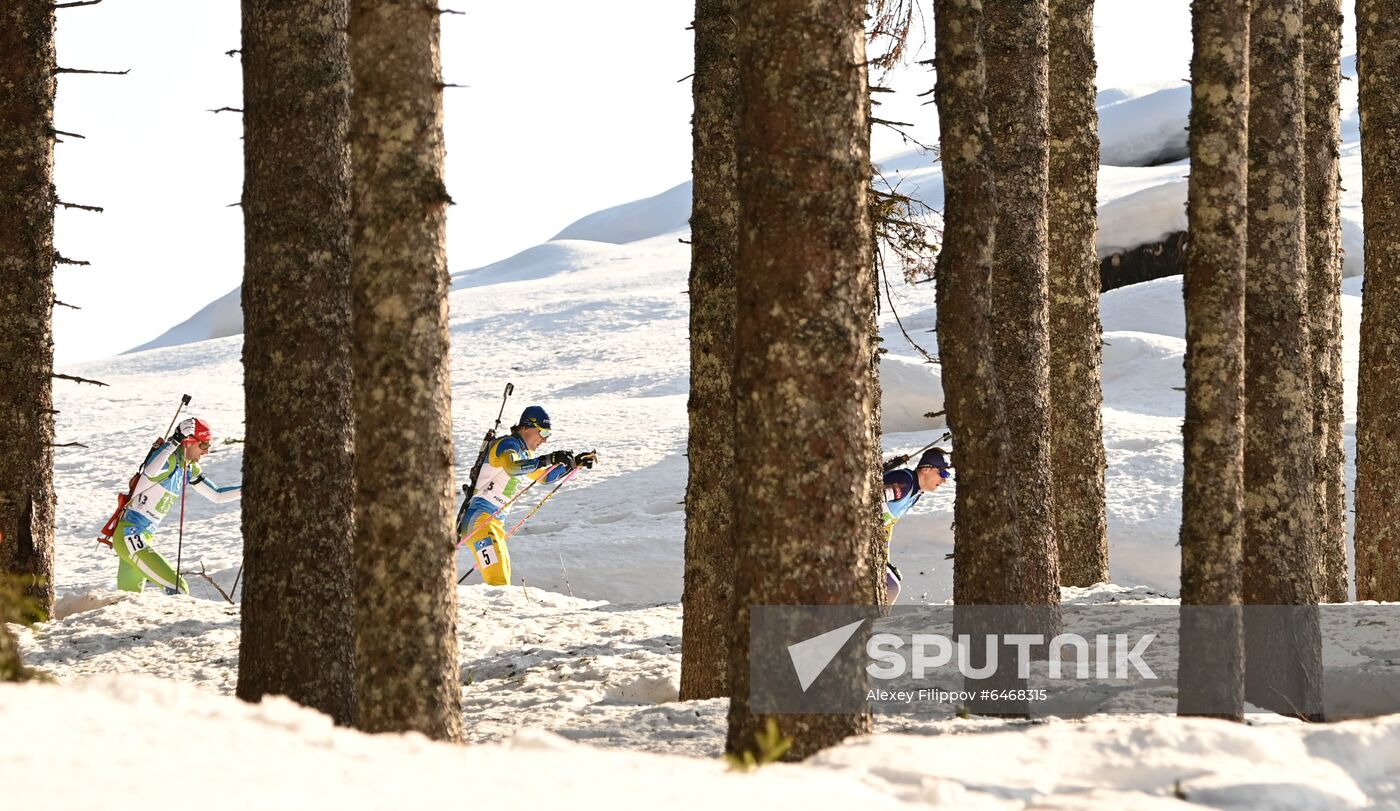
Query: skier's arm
x=157 y=461
x=509 y=455
x=219 y=495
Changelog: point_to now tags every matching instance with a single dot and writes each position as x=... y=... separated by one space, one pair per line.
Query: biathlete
x=903 y=488
x=508 y=460
x=167 y=472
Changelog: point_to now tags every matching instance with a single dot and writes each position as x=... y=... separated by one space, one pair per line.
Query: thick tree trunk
x=1017 y=37
x=1378 y=383
x=710 y=508
x=1212 y=500
x=297 y=604
x=987 y=513
x=803 y=379
x=1076 y=394
x=1322 y=51
x=1281 y=565
x=405 y=612
x=26 y=301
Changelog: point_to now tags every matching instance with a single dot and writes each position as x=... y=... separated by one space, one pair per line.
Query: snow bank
x=664 y=213
x=1147 y=129
x=120 y=743
x=218 y=319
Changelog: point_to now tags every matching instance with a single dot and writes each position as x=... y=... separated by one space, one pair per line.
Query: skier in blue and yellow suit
x=903 y=487
x=508 y=460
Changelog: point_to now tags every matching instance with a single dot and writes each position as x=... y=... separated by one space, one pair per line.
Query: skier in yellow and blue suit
x=903 y=487
x=508 y=460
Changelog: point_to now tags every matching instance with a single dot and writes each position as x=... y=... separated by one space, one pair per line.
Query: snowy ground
x=543 y=673
x=593 y=326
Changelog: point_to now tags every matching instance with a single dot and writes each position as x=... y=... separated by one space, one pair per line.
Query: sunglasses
x=204 y=446
x=544 y=432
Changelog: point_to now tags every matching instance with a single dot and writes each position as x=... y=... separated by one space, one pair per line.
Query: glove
x=586 y=459
x=564 y=458
x=178 y=437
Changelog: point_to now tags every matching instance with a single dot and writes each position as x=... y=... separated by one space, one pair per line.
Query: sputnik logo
x=811 y=656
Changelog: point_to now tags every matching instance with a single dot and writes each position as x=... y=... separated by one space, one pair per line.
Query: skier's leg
x=487 y=540
x=134 y=548
x=129 y=578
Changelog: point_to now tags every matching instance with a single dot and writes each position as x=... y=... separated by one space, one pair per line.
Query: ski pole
x=180 y=544
x=543 y=501
x=236 y=578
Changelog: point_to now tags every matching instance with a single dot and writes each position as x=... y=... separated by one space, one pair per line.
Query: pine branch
x=77 y=379
x=93 y=72
x=60 y=259
x=98 y=209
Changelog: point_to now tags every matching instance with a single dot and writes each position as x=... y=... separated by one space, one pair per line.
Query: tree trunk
x=710 y=507
x=1322 y=51
x=26 y=302
x=1212 y=500
x=1076 y=395
x=1017 y=37
x=297 y=606
x=405 y=612
x=1280 y=545
x=1378 y=383
x=803 y=346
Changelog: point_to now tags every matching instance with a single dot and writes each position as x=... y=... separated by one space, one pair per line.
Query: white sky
x=571 y=107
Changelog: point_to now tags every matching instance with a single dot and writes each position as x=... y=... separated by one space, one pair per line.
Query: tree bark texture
x=1076 y=393
x=1280 y=544
x=803 y=379
x=710 y=507
x=1378 y=382
x=26 y=301
x=297 y=613
x=1212 y=500
x=1322 y=51
x=1016 y=35
x=405 y=613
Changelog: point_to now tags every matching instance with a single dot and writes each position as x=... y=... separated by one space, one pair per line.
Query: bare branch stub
x=76 y=3
x=98 y=209
x=683 y=78
x=233 y=52
x=67 y=445
x=77 y=379
x=202 y=573
x=445 y=85
x=442 y=11
x=93 y=72
x=58 y=303
x=69 y=134
x=60 y=259
x=227 y=110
